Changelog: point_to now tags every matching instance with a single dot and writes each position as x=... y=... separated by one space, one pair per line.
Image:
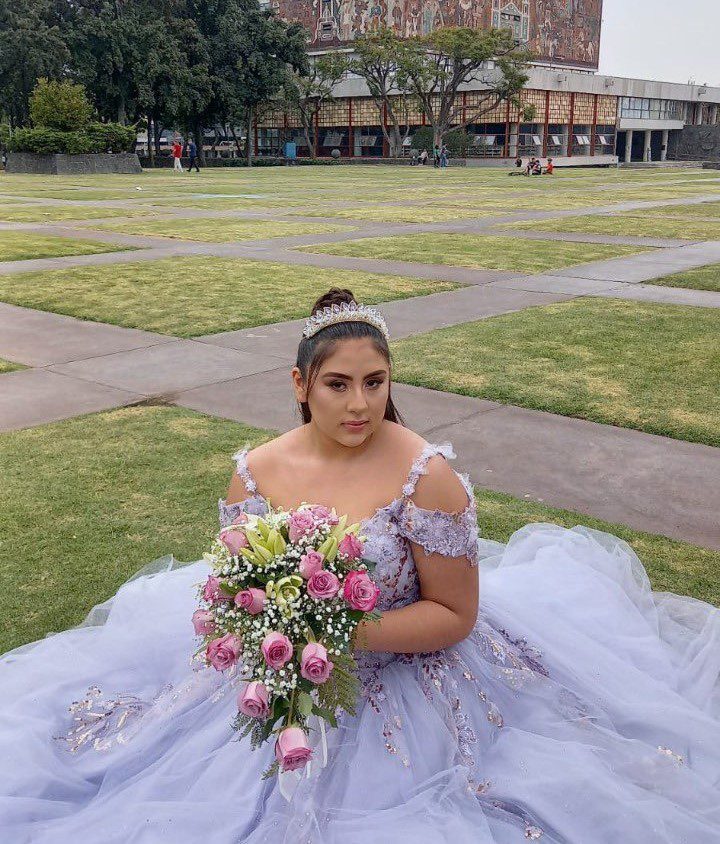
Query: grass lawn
x=403 y=214
x=477 y=251
x=701 y=278
x=8 y=366
x=651 y=367
x=58 y=213
x=222 y=230
x=22 y=246
x=116 y=490
x=192 y=296
x=703 y=209
x=226 y=203
x=644 y=224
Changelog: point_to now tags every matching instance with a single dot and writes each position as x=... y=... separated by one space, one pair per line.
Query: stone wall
x=695 y=143
x=72 y=165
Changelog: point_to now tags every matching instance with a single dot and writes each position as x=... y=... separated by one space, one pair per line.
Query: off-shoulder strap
x=241 y=469
x=436 y=531
x=419 y=466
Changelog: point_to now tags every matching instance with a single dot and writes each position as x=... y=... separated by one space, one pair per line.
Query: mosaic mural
x=562 y=31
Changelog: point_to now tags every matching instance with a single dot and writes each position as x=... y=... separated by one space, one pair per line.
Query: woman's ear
x=298 y=385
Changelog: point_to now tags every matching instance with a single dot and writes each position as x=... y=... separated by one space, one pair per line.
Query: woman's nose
x=357 y=401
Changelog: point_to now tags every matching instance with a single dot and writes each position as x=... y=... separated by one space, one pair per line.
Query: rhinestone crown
x=346 y=312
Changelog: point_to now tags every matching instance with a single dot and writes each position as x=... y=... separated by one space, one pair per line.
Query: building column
x=567 y=141
x=647 y=150
x=664 y=150
x=513 y=138
x=628 y=146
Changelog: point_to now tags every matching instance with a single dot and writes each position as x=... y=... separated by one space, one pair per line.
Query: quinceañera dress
x=582 y=709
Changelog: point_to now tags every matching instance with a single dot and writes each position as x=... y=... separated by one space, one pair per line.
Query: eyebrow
x=349 y=377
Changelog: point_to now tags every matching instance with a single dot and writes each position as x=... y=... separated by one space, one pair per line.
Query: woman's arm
x=447 y=609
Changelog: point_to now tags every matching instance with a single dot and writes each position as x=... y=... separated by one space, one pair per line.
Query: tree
x=308 y=91
x=31 y=46
x=104 y=37
x=60 y=105
x=251 y=60
x=377 y=59
x=437 y=66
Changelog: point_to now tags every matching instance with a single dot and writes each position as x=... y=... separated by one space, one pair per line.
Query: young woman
x=553 y=698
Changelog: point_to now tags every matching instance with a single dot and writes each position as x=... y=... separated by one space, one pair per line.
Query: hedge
x=96 y=137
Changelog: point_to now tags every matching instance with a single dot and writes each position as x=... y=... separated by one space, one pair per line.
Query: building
x=580 y=117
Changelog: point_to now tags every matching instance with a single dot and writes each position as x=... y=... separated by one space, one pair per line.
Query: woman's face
x=350 y=392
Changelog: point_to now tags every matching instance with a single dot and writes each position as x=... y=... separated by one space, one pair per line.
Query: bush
x=60 y=105
x=98 y=137
x=112 y=137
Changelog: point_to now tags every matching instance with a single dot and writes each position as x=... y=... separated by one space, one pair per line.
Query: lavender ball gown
x=582 y=709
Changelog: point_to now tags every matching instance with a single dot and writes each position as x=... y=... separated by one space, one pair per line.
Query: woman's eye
x=373 y=383
x=337 y=385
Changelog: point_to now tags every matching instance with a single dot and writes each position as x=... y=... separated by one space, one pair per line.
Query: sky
x=671 y=40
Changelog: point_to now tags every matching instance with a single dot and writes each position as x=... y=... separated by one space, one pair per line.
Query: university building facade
x=579 y=116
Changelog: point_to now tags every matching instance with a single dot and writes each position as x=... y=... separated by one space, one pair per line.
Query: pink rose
x=203 y=622
x=310 y=563
x=323 y=584
x=314 y=665
x=351 y=547
x=292 y=749
x=252 y=600
x=301 y=524
x=277 y=650
x=234 y=540
x=224 y=653
x=323 y=515
x=253 y=700
x=359 y=591
x=212 y=592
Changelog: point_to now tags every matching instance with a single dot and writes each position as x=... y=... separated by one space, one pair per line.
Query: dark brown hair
x=314 y=351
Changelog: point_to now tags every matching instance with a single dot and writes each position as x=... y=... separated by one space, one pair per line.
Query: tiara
x=347 y=312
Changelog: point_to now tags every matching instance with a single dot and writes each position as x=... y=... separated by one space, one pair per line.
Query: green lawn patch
x=116 y=490
x=222 y=230
x=8 y=366
x=402 y=214
x=701 y=278
x=192 y=296
x=478 y=252
x=702 y=209
x=644 y=224
x=58 y=213
x=651 y=367
x=22 y=246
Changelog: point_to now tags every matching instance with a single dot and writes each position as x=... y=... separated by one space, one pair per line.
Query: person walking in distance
x=177 y=155
x=192 y=154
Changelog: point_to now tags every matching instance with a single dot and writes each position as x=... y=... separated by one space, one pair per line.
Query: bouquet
x=280 y=609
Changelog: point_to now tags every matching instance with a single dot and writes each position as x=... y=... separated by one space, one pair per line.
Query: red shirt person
x=177 y=155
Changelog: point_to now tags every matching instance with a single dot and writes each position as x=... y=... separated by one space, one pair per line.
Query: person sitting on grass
x=518 y=168
x=549 y=169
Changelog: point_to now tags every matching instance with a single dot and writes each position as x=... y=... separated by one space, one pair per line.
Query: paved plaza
x=76 y=366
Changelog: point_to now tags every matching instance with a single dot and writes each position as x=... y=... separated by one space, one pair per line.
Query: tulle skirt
x=583 y=709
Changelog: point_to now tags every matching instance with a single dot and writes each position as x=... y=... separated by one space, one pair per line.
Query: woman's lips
x=355 y=426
